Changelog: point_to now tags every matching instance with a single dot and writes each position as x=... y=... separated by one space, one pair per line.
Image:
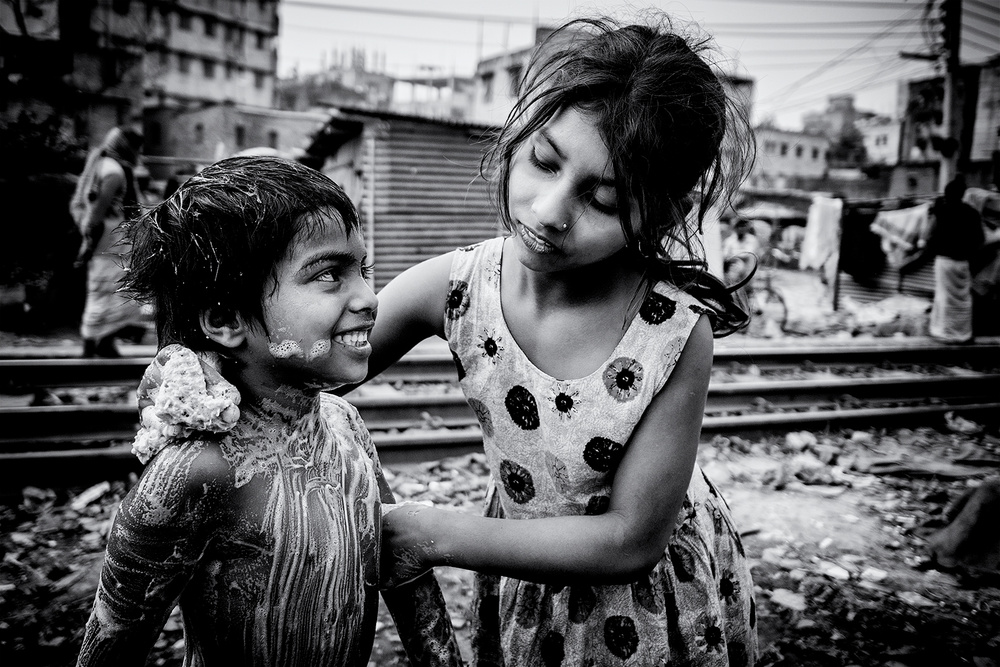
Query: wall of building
x=212 y=51
x=180 y=137
x=881 y=140
x=783 y=156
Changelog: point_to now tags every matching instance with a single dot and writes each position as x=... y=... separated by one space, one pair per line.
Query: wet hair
x=217 y=241
x=677 y=140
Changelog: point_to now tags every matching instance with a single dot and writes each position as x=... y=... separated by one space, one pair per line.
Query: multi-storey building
x=197 y=75
x=785 y=158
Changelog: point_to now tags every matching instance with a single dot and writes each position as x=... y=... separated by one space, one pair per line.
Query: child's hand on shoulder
x=407 y=551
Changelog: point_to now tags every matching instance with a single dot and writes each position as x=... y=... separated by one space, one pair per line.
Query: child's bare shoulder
x=345 y=420
x=193 y=463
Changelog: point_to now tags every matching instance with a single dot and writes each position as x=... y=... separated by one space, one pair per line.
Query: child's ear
x=223 y=327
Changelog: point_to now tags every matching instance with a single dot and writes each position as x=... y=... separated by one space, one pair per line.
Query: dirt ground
x=835 y=524
x=838 y=548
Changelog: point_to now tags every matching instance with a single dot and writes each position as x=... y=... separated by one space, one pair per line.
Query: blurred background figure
x=106 y=194
x=957 y=236
x=743 y=239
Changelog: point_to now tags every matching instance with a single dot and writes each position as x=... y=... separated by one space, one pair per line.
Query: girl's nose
x=552 y=206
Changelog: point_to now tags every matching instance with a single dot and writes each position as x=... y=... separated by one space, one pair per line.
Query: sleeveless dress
x=553 y=446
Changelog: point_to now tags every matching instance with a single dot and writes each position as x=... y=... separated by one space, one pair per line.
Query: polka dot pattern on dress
x=620 y=636
x=522 y=408
x=457 y=301
x=517 y=481
x=623 y=378
x=657 y=308
x=602 y=454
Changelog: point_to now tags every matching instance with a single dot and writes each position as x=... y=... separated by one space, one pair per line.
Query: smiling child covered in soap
x=263 y=521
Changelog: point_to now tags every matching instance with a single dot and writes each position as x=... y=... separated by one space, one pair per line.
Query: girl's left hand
x=407 y=551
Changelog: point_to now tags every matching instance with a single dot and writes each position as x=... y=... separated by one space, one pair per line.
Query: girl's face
x=562 y=197
x=320 y=313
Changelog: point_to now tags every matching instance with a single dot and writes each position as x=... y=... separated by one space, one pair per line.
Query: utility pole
x=951 y=31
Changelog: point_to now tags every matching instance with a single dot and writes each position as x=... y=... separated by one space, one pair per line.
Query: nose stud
x=565 y=226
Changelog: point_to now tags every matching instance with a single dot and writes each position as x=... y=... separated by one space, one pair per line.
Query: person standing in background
x=957 y=234
x=105 y=196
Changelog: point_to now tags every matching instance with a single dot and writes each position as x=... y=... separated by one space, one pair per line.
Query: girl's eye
x=533 y=158
x=607 y=209
x=367 y=271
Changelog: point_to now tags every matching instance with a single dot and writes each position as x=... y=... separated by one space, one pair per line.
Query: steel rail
x=28 y=371
x=57 y=424
x=429 y=426
x=80 y=467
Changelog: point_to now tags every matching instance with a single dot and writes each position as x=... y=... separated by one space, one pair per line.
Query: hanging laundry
x=822 y=234
x=904 y=232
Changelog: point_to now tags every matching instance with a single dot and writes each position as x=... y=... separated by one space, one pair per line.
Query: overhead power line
x=411 y=13
x=792 y=87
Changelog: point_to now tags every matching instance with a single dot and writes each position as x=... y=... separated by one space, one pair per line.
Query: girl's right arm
x=158 y=536
x=410 y=309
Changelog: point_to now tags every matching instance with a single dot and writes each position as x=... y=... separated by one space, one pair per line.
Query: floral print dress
x=553 y=446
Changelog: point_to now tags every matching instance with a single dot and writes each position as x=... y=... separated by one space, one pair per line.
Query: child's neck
x=265 y=399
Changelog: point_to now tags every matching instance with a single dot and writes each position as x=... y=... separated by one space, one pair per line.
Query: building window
x=258 y=80
x=261 y=41
x=272 y=138
x=208 y=67
x=514 y=72
x=768 y=146
x=199 y=134
x=784 y=149
x=184 y=21
x=209 y=27
x=230 y=69
x=164 y=58
x=488 y=87
x=798 y=151
x=183 y=63
x=241 y=136
x=815 y=153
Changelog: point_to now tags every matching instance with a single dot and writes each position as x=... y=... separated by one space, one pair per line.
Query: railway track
x=759 y=388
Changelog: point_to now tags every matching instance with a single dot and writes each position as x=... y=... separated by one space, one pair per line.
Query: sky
x=798 y=52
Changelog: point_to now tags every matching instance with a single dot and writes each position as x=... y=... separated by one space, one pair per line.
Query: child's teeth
x=353 y=339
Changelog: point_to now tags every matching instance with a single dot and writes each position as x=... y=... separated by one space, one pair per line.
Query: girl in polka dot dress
x=583 y=342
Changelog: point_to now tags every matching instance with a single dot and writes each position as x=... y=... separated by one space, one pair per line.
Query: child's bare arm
x=422 y=621
x=159 y=534
x=614 y=547
x=419 y=612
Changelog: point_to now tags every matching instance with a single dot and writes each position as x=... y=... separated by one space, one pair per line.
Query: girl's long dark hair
x=678 y=142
